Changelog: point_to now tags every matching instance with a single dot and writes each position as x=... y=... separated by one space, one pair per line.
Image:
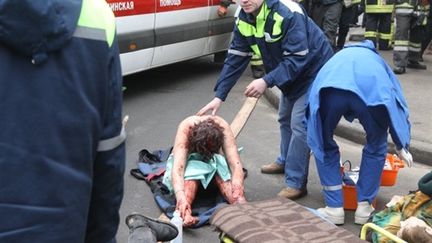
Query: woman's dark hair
x=206 y=138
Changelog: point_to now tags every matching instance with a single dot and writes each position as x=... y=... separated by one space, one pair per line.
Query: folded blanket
x=277 y=220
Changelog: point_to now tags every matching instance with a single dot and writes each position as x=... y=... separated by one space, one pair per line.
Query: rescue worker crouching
x=342 y=90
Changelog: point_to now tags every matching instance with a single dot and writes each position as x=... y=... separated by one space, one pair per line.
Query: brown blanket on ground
x=277 y=220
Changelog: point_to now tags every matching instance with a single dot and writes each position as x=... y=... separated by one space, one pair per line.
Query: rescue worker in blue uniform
x=356 y=83
x=62 y=143
x=293 y=49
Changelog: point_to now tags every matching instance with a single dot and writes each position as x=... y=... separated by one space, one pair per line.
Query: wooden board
x=243 y=115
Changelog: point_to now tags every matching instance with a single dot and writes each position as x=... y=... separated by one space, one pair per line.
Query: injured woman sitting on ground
x=204 y=152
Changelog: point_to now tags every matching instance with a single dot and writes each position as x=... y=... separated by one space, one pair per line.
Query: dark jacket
x=291 y=45
x=61 y=146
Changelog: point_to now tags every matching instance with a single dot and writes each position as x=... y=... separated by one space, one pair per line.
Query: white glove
x=406 y=156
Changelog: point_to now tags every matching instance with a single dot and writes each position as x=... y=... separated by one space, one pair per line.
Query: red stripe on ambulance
x=126 y=8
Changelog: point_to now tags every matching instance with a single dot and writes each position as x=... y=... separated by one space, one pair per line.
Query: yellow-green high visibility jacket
x=292 y=46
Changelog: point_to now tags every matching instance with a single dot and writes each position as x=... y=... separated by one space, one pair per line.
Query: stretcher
x=379 y=230
x=277 y=220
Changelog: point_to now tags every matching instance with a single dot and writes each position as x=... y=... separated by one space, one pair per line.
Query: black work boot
x=163 y=231
x=416 y=65
x=399 y=70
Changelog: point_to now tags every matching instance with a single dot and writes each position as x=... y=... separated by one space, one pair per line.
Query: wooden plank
x=243 y=115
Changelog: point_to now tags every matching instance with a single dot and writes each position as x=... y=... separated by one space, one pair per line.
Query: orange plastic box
x=350 y=197
x=388 y=177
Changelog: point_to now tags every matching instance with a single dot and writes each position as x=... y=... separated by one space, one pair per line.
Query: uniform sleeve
x=109 y=165
x=239 y=55
x=295 y=47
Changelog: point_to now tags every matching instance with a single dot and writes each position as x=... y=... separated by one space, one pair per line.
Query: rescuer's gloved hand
x=406 y=156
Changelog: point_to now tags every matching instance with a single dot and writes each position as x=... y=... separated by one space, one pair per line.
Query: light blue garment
x=196 y=169
x=358 y=84
x=360 y=69
x=294 y=151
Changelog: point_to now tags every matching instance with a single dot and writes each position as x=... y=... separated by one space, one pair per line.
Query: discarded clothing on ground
x=150 y=165
x=277 y=220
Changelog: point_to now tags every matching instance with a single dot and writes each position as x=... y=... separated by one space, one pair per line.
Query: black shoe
x=416 y=65
x=164 y=231
x=421 y=59
x=399 y=70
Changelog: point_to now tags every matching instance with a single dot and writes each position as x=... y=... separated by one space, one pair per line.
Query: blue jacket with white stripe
x=292 y=47
x=61 y=141
x=360 y=69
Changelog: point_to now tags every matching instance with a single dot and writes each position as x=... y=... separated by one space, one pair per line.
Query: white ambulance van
x=153 y=33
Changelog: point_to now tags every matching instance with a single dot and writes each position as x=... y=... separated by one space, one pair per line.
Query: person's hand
x=182 y=205
x=406 y=156
x=211 y=106
x=256 y=88
x=238 y=193
x=190 y=220
x=185 y=210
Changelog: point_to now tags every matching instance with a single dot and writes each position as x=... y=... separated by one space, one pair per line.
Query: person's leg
x=257 y=66
x=416 y=36
x=371 y=27
x=191 y=189
x=227 y=191
x=428 y=37
x=331 y=21
x=344 y=22
x=384 y=31
x=334 y=103
x=284 y=119
x=317 y=13
x=354 y=19
x=401 y=45
x=375 y=121
x=298 y=153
